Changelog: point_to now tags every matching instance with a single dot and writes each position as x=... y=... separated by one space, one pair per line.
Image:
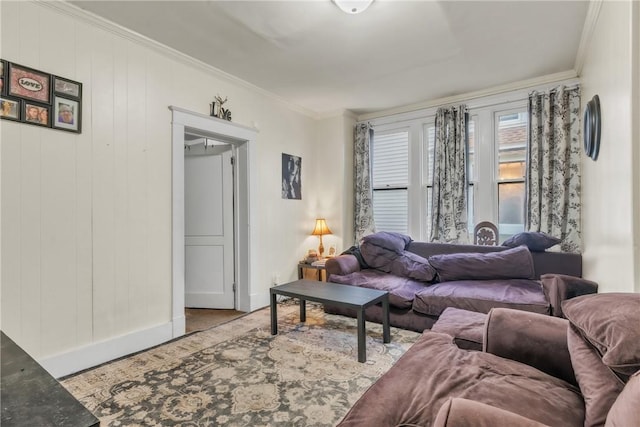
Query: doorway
x=237 y=141
x=209 y=228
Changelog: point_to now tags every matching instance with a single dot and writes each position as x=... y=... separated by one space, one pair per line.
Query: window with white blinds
x=390 y=179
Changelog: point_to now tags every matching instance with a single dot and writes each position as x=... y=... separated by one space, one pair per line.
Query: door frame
x=245 y=189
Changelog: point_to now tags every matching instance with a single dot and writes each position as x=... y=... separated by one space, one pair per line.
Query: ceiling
x=396 y=53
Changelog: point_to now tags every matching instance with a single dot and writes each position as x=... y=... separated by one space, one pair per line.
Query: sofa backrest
x=543 y=262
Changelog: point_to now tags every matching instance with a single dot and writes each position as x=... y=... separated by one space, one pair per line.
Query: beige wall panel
x=121 y=183
x=607 y=192
x=161 y=86
x=57 y=207
x=11 y=241
x=104 y=198
x=84 y=184
x=28 y=53
x=58 y=241
x=137 y=190
x=30 y=235
x=10 y=25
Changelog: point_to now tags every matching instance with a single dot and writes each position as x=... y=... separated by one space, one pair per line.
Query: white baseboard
x=260 y=300
x=94 y=354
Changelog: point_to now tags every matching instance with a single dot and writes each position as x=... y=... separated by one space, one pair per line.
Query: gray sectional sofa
x=423 y=279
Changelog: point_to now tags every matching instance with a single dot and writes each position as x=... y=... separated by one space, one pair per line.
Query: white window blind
x=390 y=178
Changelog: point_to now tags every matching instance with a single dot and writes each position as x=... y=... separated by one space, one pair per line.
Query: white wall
x=86 y=219
x=610 y=196
x=334 y=197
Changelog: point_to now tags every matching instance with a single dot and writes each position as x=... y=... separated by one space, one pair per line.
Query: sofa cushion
x=609 y=322
x=515 y=263
x=482 y=296
x=598 y=385
x=434 y=369
x=466 y=327
x=413 y=266
x=401 y=289
x=626 y=409
x=534 y=240
x=457 y=412
x=385 y=239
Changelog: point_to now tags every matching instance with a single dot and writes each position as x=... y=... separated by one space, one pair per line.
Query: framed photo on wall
x=66 y=114
x=28 y=83
x=9 y=108
x=291 y=177
x=3 y=75
x=36 y=114
x=67 y=88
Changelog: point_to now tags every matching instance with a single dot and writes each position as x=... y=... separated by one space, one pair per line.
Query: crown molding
x=118 y=30
x=337 y=113
x=466 y=97
x=587 y=33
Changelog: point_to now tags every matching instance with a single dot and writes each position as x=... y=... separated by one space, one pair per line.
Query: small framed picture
x=29 y=83
x=36 y=113
x=3 y=68
x=9 y=108
x=66 y=114
x=67 y=88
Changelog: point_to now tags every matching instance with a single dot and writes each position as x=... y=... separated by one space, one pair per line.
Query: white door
x=209 y=251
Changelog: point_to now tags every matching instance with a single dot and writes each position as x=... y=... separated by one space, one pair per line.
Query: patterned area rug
x=238 y=374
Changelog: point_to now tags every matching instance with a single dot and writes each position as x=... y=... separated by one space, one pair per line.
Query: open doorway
x=209 y=232
x=223 y=142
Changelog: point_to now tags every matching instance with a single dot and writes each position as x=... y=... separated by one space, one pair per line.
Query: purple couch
x=534 y=371
x=540 y=283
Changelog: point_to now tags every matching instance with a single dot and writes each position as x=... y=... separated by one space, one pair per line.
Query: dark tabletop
x=30 y=396
x=328 y=292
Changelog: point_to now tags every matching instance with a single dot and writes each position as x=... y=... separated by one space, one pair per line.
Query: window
x=390 y=181
x=511 y=142
x=402 y=168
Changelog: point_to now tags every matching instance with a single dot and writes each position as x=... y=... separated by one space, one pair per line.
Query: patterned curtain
x=553 y=178
x=363 y=192
x=450 y=185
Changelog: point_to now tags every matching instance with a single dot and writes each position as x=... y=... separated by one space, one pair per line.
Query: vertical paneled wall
x=86 y=219
x=611 y=236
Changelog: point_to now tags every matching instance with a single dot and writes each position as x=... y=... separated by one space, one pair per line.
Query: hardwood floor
x=198 y=319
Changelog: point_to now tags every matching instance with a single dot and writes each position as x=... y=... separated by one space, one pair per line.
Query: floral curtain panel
x=450 y=185
x=363 y=209
x=553 y=178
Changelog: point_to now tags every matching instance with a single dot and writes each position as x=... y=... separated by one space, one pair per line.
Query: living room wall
x=86 y=219
x=610 y=185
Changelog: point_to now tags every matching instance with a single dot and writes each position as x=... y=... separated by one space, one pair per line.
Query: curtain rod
x=471 y=105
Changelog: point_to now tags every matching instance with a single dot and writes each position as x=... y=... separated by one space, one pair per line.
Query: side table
x=303 y=265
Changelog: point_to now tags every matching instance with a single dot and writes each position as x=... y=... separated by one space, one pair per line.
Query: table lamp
x=320 y=229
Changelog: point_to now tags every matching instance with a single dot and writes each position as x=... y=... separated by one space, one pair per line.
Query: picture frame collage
x=37 y=98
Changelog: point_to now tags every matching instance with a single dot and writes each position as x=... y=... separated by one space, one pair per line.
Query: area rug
x=238 y=374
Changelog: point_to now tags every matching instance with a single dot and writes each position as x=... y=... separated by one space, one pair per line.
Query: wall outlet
x=275 y=279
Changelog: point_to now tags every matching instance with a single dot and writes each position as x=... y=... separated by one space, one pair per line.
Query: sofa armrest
x=458 y=412
x=534 y=339
x=560 y=287
x=341 y=265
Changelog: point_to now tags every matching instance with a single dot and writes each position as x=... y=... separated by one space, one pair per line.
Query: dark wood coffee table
x=339 y=295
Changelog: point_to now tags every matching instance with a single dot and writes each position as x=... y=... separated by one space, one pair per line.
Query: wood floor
x=199 y=319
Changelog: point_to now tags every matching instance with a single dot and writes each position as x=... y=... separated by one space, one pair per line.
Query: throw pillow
x=413 y=266
x=515 y=263
x=536 y=241
x=385 y=239
x=609 y=322
x=598 y=385
x=626 y=408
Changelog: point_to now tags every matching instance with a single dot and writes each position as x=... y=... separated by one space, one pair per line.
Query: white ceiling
x=395 y=53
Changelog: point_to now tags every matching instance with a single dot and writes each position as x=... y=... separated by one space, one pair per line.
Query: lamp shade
x=321 y=228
